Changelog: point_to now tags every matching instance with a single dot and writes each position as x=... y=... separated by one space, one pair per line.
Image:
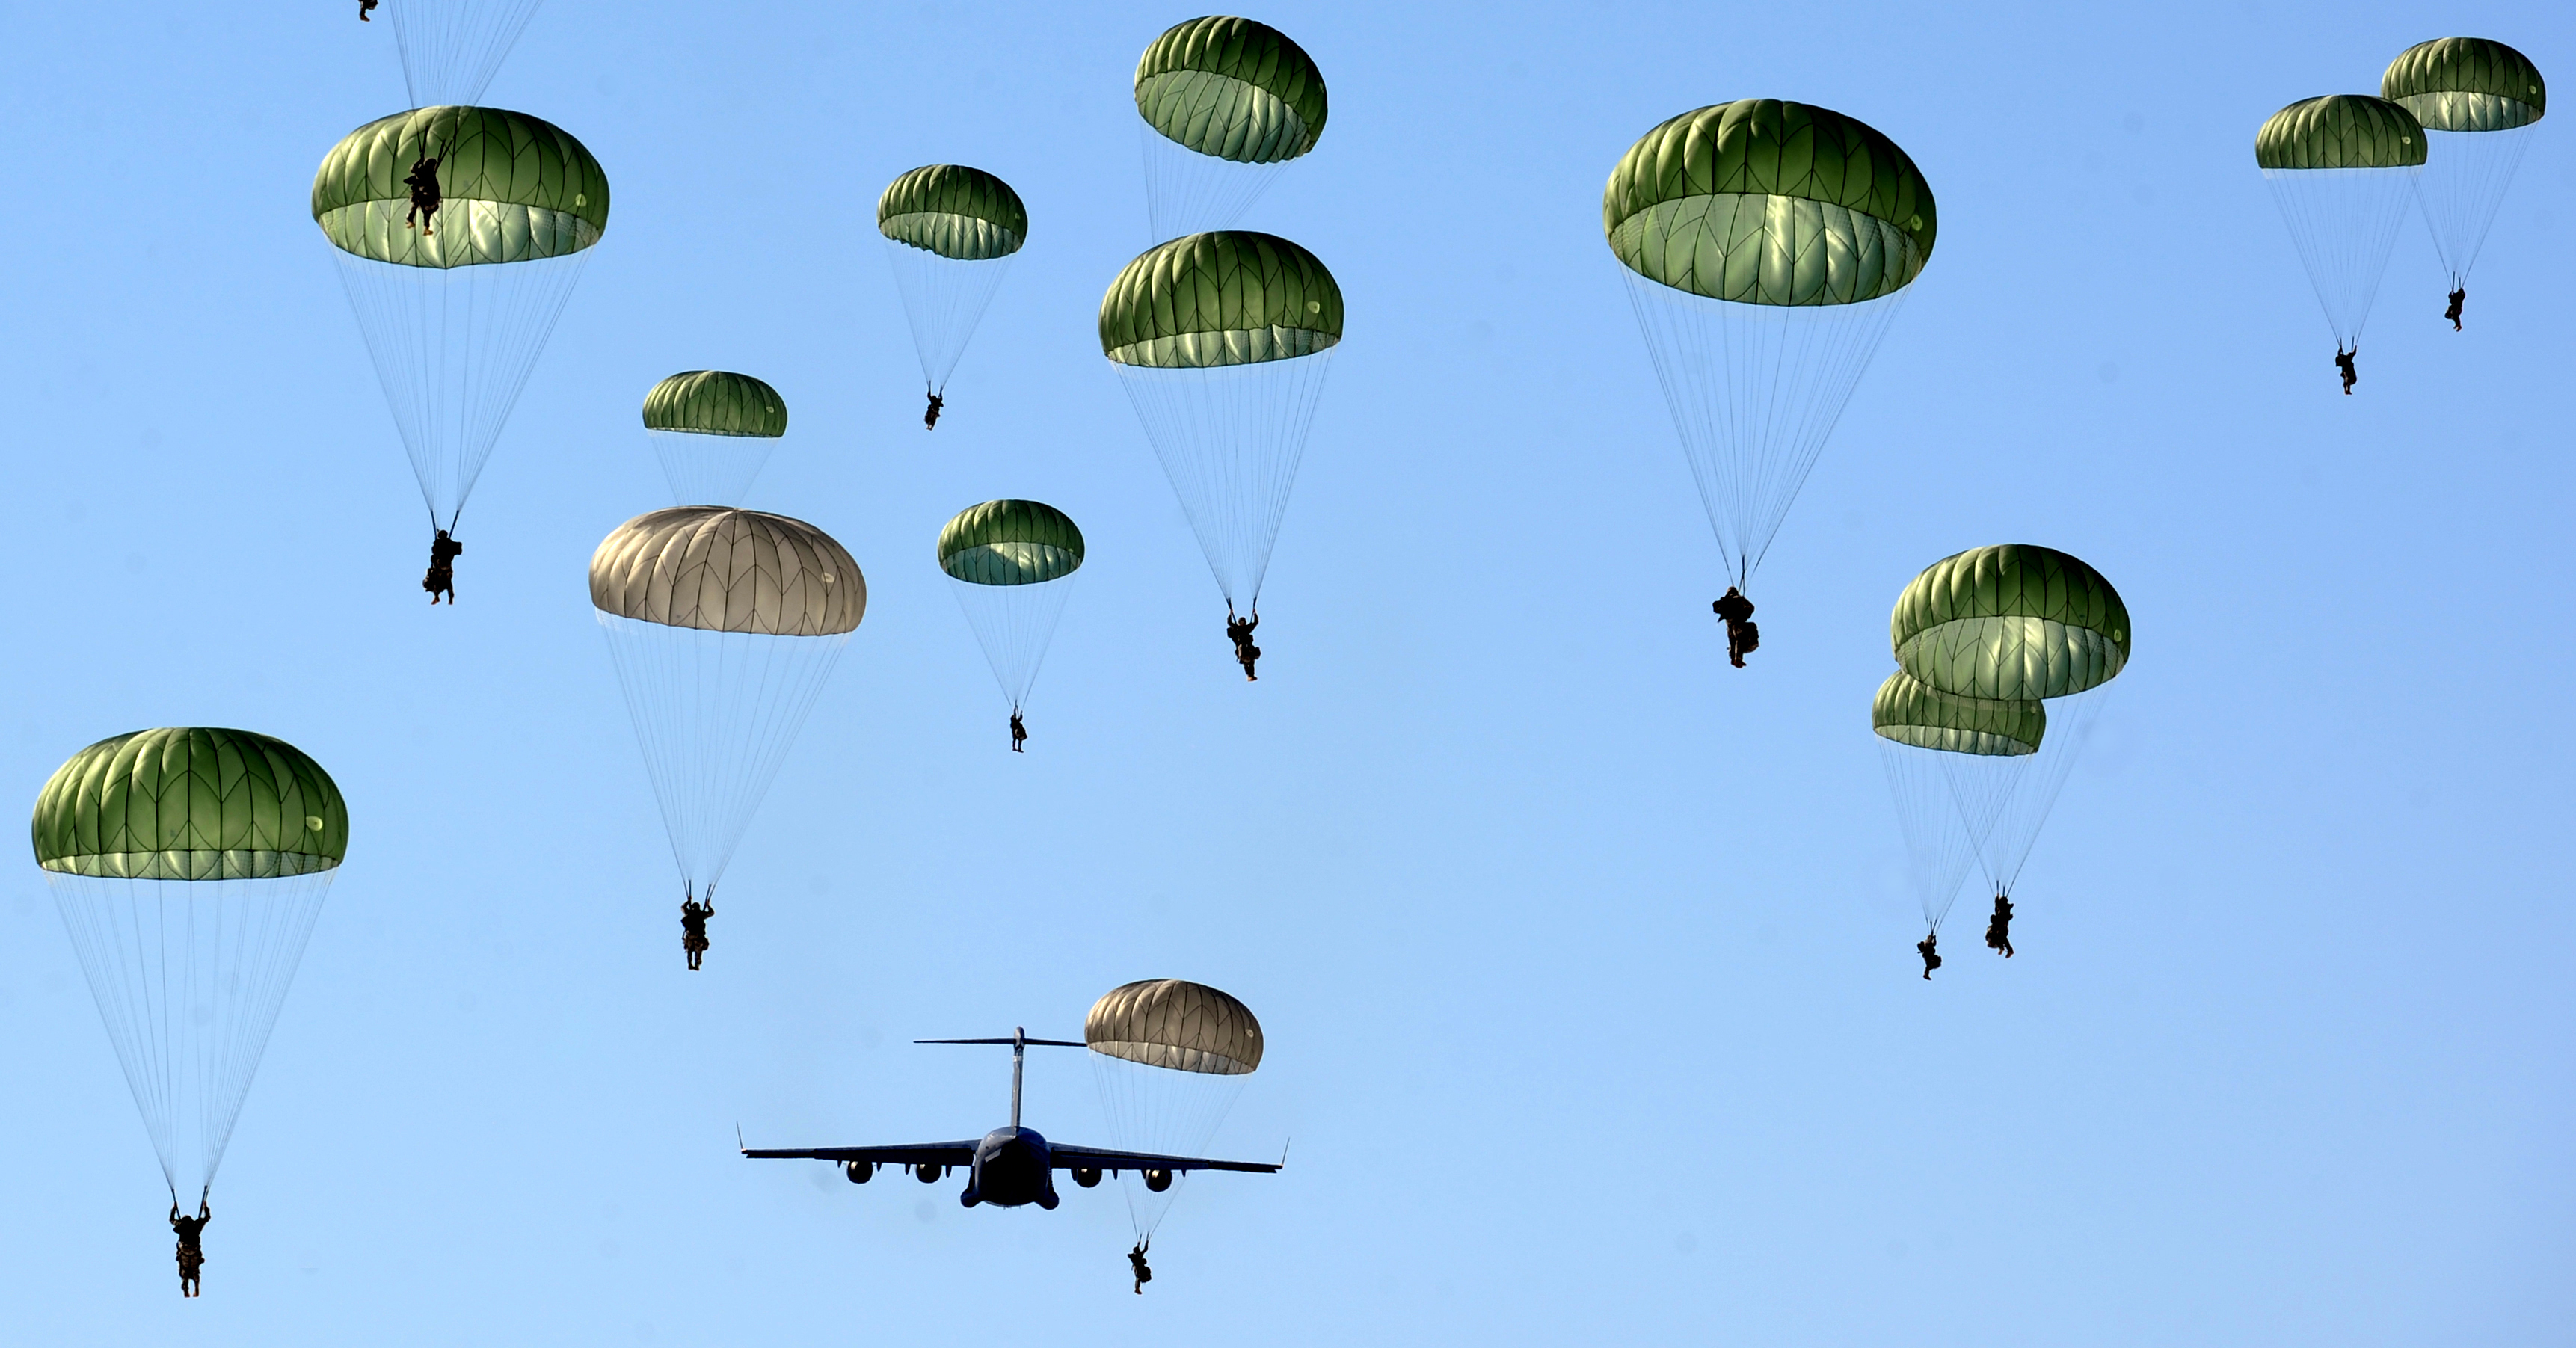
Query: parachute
x=1767 y=246
x=950 y=233
x=1981 y=638
x=1170 y=1058
x=2013 y=621
x=1222 y=341
x=452 y=48
x=2480 y=101
x=189 y=866
x=713 y=431
x=1223 y=105
x=455 y=314
x=1952 y=762
x=724 y=625
x=2341 y=169
x=1007 y=563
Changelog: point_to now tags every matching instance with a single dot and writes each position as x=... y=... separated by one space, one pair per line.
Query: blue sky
x=1585 y=961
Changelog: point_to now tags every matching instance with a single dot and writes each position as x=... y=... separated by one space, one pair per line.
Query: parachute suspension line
x=1191 y=193
x=2016 y=819
x=453 y=348
x=1755 y=391
x=2344 y=223
x=715 y=715
x=2462 y=188
x=1941 y=839
x=189 y=977
x=451 y=49
x=1157 y=1109
x=705 y=469
x=1230 y=439
x=944 y=300
x=1014 y=624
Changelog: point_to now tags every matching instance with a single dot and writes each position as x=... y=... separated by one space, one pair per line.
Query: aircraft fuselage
x=1013 y=1168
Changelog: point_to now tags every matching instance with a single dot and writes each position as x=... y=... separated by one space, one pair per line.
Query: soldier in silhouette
x=693 y=926
x=1136 y=1261
x=1999 y=928
x=2459 y=297
x=192 y=1251
x=1741 y=635
x=442 y=568
x=423 y=183
x=1239 y=631
x=1930 y=949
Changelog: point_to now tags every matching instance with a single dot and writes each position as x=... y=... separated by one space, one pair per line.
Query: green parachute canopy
x=1769 y=202
x=511 y=187
x=2010 y=622
x=2340 y=131
x=1010 y=543
x=1172 y=1023
x=2466 y=84
x=1232 y=88
x=957 y=212
x=1231 y=297
x=190 y=803
x=716 y=402
x=1910 y=711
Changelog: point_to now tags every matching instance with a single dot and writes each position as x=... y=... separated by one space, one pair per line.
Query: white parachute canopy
x=1170 y=1058
x=724 y=625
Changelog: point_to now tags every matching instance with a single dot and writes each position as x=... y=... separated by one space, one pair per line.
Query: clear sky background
x=1586 y=962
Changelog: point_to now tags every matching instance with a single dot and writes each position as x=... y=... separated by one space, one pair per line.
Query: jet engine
x=1158 y=1180
x=929 y=1172
x=860 y=1172
x=1088 y=1176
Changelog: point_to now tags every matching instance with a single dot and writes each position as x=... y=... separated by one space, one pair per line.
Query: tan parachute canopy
x=1166 y=1022
x=723 y=570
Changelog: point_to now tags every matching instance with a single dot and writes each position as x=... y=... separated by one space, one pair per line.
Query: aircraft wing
x=920 y=1153
x=1067 y=1157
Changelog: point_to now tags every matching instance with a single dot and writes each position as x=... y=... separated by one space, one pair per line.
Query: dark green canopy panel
x=715 y=402
x=1910 y=711
x=512 y=188
x=1010 y=543
x=954 y=211
x=2340 y=131
x=1767 y=202
x=191 y=804
x=1232 y=88
x=2010 y=622
x=1232 y=297
x=2466 y=84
